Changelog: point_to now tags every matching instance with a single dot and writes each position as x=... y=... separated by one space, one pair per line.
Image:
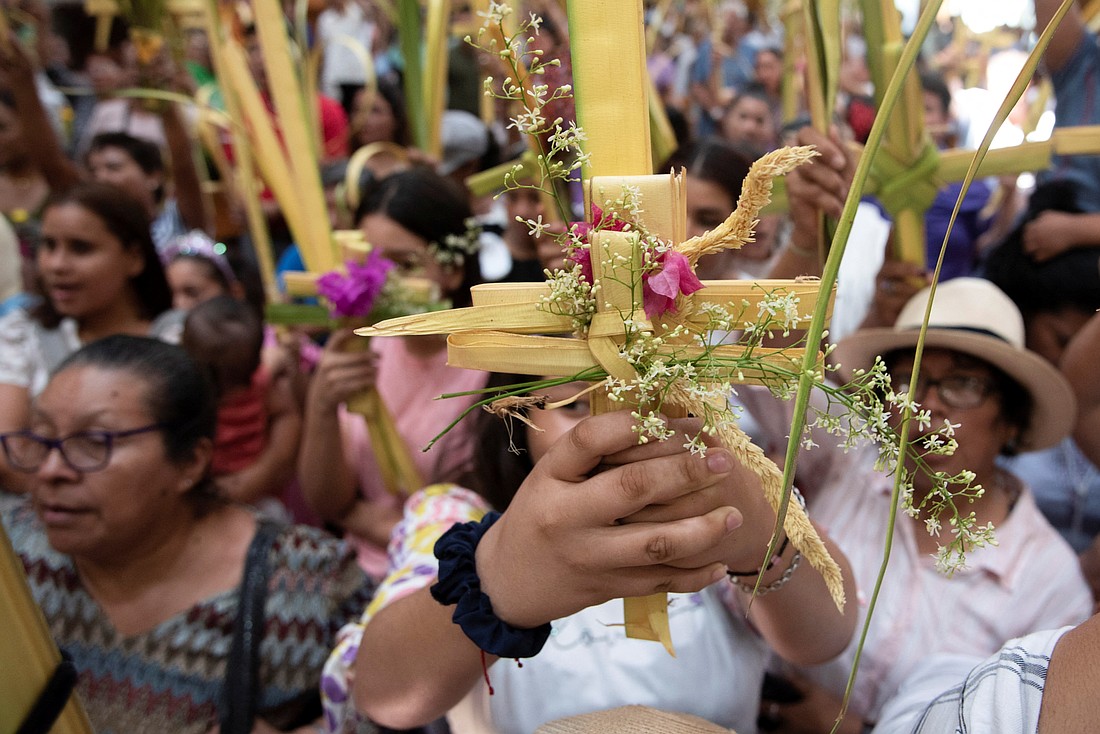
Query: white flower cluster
x=455 y=248
x=864 y=411
x=557 y=143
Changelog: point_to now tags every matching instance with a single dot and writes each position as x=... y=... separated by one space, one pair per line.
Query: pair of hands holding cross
x=600 y=517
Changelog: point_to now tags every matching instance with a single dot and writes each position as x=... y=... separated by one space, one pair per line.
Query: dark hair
x=209 y=268
x=431 y=207
x=389 y=90
x=145 y=153
x=175 y=391
x=501 y=458
x=1016 y=404
x=933 y=83
x=775 y=51
x=1068 y=280
x=126 y=219
x=395 y=97
x=752 y=90
x=714 y=160
x=225 y=336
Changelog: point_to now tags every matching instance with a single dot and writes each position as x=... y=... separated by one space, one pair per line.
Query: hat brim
x=1054 y=407
x=632 y=719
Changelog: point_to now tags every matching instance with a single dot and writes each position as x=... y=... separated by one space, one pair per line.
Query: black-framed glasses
x=957 y=391
x=83 y=451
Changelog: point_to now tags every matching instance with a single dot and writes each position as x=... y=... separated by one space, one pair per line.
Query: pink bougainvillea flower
x=660 y=289
x=353 y=295
x=582 y=230
x=583 y=256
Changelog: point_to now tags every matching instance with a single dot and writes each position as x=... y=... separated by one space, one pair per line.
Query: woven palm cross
x=509 y=330
x=907 y=170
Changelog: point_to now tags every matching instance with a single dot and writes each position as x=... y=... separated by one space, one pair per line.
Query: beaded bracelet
x=776 y=585
x=459 y=584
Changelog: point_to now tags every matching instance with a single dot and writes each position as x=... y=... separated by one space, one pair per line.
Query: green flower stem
x=592 y=374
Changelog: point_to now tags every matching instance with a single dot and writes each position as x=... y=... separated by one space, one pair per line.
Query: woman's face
x=408 y=251
x=750 y=121
x=192 y=283
x=982 y=430
x=768 y=70
x=374 y=123
x=109 y=512
x=557 y=422
x=85 y=269
x=708 y=205
x=114 y=166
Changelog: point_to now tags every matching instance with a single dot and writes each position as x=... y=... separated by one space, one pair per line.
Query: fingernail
x=733 y=520
x=719 y=462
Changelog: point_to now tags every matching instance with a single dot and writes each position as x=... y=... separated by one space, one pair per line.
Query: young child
x=259 y=422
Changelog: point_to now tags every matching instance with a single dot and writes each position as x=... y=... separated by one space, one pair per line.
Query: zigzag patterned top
x=169 y=679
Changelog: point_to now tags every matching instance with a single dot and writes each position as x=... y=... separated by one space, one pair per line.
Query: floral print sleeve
x=412 y=566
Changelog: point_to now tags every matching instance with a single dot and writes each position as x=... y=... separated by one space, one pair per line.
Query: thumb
x=340 y=339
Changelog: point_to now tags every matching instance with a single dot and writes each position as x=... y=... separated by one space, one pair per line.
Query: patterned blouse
x=169 y=679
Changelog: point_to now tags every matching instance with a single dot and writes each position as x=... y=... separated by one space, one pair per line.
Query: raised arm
x=820 y=186
x=328 y=482
x=1079 y=362
x=550 y=556
x=17 y=71
x=1066 y=38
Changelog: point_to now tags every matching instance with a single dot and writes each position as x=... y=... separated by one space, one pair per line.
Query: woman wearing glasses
x=1002 y=398
x=145 y=576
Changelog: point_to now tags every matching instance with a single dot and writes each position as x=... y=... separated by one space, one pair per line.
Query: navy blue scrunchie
x=459 y=585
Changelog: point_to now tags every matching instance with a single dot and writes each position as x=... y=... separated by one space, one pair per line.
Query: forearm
x=48 y=155
x=800 y=620
x=371 y=521
x=1079 y=366
x=273 y=469
x=799 y=256
x=327 y=481
x=185 y=176
x=414 y=663
x=1066 y=37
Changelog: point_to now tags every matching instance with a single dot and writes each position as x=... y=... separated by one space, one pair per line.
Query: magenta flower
x=583 y=257
x=660 y=289
x=582 y=230
x=354 y=295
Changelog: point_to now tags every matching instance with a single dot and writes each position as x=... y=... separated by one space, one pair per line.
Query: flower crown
x=455 y=247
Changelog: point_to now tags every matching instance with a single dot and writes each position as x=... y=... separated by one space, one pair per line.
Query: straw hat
x=632 y=720
x=973 y=316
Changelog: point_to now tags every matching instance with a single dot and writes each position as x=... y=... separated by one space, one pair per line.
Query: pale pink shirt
x=1030 y=581
x=409 y=384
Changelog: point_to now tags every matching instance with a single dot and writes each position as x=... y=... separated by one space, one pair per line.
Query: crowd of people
x=204 y=518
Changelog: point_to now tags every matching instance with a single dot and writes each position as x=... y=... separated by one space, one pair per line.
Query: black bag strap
x=240 y=691
x=51 y=702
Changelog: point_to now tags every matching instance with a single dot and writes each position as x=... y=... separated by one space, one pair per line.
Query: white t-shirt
x=589 y=665
x=343 y=64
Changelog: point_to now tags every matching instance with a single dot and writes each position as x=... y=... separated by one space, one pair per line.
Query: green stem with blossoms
x=551 y=138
